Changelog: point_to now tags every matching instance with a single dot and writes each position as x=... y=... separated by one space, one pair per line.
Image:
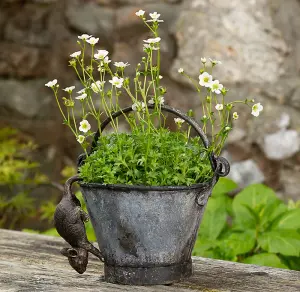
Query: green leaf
x=293 y=205
x=214 y=219
x=265 y=259
x=224 y=186
x=285 y=242
x=288 y=220
x=292 y=262
x=272 y=211
x=210 y=253
x=90 y=231
x=203 y=245
x=241 y=242
x=249 y=204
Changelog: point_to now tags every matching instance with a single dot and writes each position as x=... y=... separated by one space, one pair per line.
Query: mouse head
x=78 y=258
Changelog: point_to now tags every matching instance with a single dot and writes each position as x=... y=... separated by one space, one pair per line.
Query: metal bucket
x=146 y=234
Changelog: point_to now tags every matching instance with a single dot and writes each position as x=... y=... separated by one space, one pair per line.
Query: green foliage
x=12 y=153
x=47 y=211
x=88 y=225
x=169 y=160
x=255 y=227
x=17 y=174
x=266 y=259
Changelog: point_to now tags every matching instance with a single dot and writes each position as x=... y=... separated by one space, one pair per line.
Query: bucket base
x=147 y=275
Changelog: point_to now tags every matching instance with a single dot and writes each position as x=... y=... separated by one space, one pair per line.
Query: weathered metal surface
x=145 y=234
x=31 y=262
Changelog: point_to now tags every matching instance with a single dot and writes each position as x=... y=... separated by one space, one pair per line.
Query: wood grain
x=30 y=262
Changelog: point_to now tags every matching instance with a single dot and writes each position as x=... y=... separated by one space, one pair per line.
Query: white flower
x=101 y=54
x=227 y=129
x=160 y=77
x=118 y=82
x=205 y=79
x=151 y=101
x=84 y=126
x=216 y=87
x=152 y=20
x=178 y=121
x=92 y=41
x=256 y=109
x=140 y=13
x=180 y=70
x=235 y=115
x=69 y=89
x=121 y=64
x=51 y=83
x=106 y=60
x=138 y=106
x=161 y=100
x=102 y=63
x=81 y=97
x=148 y=46
x=84 y=37
x=215 y=62
x=81 y=91
x=80 y=139
x=76 y=54
x=153 y=41
x=219 y=106
x=155 y=17
x=97 y=86
x=203 y=60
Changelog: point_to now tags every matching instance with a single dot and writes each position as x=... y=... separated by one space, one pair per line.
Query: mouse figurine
x=69 y=221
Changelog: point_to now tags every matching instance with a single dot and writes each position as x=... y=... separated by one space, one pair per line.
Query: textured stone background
x=258 y=42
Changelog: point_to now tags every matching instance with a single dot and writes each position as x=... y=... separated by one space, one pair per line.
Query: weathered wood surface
x=30 y=262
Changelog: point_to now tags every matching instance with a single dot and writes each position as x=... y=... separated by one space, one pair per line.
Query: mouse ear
x=72 y=253
x=64 y=251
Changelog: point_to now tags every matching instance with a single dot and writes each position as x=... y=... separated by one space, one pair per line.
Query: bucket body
x=146 y=234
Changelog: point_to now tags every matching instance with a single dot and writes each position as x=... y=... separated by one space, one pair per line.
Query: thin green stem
x=56 y=97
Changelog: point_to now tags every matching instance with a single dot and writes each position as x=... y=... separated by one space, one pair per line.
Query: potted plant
x=145 y=190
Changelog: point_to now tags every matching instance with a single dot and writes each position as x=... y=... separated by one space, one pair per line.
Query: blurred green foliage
x=17 y=176
x=254 y=227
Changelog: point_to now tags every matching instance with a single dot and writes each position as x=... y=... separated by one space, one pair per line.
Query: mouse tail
x=68 y=185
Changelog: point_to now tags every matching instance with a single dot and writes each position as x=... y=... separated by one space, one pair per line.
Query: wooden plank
x=30 y=262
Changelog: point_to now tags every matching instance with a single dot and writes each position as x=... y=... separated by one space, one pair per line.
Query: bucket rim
x=125 y=187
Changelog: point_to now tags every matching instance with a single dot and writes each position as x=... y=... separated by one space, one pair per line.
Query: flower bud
x=190 y=113
x=229 y=106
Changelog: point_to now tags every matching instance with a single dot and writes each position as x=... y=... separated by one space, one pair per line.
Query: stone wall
x=258 y=42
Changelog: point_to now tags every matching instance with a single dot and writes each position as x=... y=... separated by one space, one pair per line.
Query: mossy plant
x=160 y=159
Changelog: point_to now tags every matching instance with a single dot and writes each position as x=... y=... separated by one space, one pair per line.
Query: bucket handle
x=219 y=165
